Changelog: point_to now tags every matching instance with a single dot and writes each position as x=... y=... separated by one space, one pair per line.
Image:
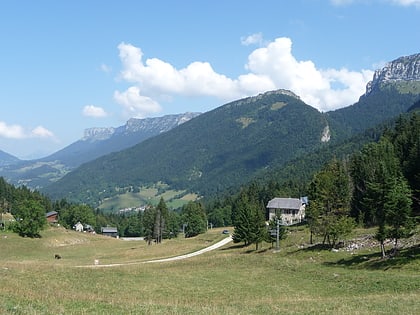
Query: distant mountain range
x=226 y=147
x=95 y=143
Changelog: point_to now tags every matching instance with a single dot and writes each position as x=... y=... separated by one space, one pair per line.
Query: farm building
x=289 y=210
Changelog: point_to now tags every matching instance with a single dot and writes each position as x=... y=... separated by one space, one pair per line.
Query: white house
x=289 y=210
x=78 y=227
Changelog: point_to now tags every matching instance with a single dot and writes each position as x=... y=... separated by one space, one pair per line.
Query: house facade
x=289 y=210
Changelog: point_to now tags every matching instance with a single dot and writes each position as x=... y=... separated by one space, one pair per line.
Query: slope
x=219 y=149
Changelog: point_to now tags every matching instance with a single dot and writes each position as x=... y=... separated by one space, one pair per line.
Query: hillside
x=212 y=152
x=7 y=159
x=96 y=142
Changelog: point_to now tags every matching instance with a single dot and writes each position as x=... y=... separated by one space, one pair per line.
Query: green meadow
x=147 y=195
x=298 y=279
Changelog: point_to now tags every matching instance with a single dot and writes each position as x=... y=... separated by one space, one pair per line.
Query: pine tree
x=195 y=219
x=330 y=194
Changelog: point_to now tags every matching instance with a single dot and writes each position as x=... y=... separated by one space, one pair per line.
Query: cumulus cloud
x=11 y=131
x=18 y=132
x=135 y=105
x=94 y=111
x=272 y=66
x=41 y=132
x=253 y=39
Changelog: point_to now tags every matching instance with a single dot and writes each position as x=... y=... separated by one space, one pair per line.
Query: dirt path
x=199 y=252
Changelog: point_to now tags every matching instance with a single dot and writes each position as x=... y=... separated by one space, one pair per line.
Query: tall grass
x=231 y=280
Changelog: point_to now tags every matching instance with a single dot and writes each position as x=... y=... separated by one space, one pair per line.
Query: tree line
x=379 y=186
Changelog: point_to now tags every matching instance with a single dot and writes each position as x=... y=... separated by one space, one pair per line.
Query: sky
x=70 y=65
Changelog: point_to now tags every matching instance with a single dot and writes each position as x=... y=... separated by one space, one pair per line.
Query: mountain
x=229 y=146
x=392 y=91
x=219 y=149
x=95 y=143
x=7 y=159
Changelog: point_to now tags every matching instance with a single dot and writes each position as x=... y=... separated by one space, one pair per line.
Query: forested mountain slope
x=95 y=143
x=214 y=151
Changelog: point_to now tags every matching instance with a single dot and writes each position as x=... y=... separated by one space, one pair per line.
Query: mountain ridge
x=95 y=143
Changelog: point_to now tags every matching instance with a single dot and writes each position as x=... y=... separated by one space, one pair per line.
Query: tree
x=248 y=218
x=149 y=223
x=398 y=210
x=194 y=217
x=380 y=186
x=173 y=224
x=30 y=218
x=330 y=195
x=161 y=216
x=77 y=213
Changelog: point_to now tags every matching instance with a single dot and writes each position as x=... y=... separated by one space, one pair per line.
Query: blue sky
x=70 y=65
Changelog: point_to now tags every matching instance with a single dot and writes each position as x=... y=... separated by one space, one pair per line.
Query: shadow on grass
x=251 y=248
x=375 y=260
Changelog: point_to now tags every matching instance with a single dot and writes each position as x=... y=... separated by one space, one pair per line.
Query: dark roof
x=51 y=213
x=284 y=203
x=109 y=229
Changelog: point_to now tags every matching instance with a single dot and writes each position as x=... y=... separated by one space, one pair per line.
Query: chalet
x=52 y=217
x=289 y=210
x=109 y=231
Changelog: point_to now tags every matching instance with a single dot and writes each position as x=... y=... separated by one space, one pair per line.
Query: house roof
x=109 y=229
x=284 y=203
x=51 y=213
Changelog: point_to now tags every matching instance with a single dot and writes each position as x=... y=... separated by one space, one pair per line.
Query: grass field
x=147 y=195
x=232 y=280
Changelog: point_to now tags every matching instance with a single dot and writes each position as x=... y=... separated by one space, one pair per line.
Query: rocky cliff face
x=152 y=125
x=402 y=69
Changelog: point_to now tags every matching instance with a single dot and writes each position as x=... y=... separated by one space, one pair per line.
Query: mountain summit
x=405 y=68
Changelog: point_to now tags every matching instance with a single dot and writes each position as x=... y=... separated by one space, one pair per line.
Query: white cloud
x=11 y=131
x=94 y=111
x=253 y=39
x=41 y=132
x=18 y=132
x=135 y=105
x=270 y=67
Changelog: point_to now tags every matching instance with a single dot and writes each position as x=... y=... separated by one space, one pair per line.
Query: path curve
x=180 y=257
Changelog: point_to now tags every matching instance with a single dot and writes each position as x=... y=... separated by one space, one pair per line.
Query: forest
x=378 y=186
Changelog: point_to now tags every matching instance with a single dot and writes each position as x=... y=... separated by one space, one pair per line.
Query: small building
x=289 y=210
x=109 y=231
x=52 y=217
x=78 y=227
